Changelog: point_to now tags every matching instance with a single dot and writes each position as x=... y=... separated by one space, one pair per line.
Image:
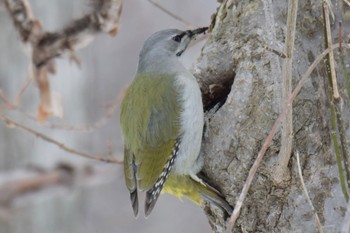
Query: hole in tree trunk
x=216 y=93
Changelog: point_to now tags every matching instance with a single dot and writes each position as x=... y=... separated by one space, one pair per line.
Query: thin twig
x=343 y=142
x=281 y=171
x=336 y=119
x=337 y=149
x=103 y=158
x=342 y=131
x=171 y=14
x=342 y=61
x=24 y=87
x=330 y=8
x=326 y=8
x=275 y=63
x=317 y=219
x=275 y=127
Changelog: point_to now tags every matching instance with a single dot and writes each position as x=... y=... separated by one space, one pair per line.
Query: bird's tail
x=198 y=192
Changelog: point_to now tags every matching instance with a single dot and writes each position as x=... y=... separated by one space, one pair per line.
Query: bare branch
x=45 y=46
x=9 y=122
x=275 y=127
x=46 y=106
x=24 y=87
x=27 y=26
x=271 y=40
x=326 y=9
x=281 y=172
x=79 y=33
x=8 y=104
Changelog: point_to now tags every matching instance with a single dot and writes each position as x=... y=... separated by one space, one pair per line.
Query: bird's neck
x=158 y=63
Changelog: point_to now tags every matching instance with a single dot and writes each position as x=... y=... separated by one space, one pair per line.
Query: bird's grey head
x=165 y=44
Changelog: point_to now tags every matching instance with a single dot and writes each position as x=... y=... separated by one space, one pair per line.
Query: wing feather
x=150 y=121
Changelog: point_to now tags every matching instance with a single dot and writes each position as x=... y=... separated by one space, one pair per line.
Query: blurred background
x=91 y=197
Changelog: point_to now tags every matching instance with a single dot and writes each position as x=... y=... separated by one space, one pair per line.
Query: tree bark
x=238 y=70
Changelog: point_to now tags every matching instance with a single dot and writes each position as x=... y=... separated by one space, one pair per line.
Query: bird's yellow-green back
x=150 y=125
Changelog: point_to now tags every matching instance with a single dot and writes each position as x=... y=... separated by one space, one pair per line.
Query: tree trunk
x=238 y=70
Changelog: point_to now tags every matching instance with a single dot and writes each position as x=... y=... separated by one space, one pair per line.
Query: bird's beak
x=192 y=33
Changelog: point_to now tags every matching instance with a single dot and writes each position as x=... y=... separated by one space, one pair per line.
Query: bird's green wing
x=149 y=118
x=130 y=179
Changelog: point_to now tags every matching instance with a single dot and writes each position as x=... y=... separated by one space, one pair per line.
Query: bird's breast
x=191 y=123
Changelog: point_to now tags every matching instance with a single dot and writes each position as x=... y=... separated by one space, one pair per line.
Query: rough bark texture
x=236 y=52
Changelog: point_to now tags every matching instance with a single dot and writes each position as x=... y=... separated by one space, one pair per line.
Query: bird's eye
x=177 y=38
